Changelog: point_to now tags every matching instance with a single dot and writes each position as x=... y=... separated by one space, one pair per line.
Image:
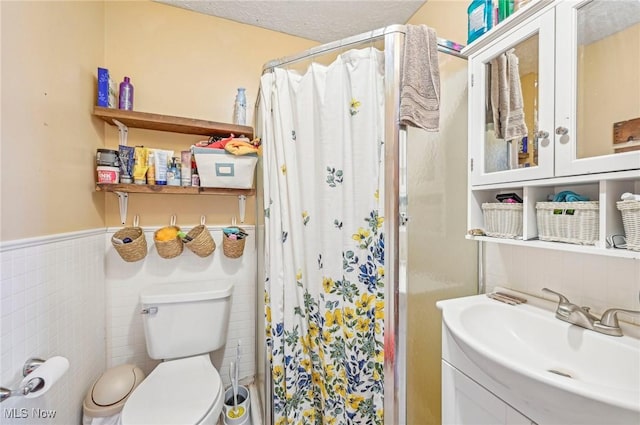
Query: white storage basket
x=502 y=220
x=218 y=168
x=572 y=222
x=630 y=211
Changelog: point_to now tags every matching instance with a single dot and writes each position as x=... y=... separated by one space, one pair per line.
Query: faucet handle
x=610 y=317
x=565 y=307
x=563 y=299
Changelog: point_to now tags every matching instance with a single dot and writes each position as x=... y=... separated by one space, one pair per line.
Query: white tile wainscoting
x=52 y=304
x=600 y=282
x=124 y=281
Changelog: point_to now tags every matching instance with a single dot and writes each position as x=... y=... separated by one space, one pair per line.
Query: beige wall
x=50 y=51
x=185 y=64
x=181 y=63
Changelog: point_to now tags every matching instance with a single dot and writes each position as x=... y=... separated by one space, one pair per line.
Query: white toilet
x=183 y=322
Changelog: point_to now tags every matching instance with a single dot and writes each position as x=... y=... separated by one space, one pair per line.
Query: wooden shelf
x=135 y=119
x=173 y=190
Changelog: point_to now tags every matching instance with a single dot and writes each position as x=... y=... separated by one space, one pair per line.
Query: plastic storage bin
x=218 y=168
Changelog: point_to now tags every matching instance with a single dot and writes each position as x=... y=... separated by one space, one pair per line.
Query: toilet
x=183 y=323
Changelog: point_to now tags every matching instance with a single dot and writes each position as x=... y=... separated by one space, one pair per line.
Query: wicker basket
x=171 y=248
x=201 y=242
x=232 y=248
x=572 y=222
x=502 y=220
x=630 y=211
x=132 y=251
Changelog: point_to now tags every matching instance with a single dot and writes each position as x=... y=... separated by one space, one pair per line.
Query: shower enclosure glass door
x=441 y=263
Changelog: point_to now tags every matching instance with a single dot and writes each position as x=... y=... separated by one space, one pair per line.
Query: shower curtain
x=322 y=135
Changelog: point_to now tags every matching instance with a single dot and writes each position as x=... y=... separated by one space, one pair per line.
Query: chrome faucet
x=580 y=316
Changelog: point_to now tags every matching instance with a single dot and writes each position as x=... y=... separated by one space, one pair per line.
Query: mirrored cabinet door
x=598 y=86
x=511 y=106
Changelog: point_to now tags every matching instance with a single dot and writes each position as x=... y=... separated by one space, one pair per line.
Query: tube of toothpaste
x=126 y=163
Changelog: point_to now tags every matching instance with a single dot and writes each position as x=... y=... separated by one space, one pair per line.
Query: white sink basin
x=547 y=362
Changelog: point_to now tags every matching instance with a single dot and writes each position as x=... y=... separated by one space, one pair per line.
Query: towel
x=240 y=148
x=506 y=97
x=420 y=86
x=569 y=196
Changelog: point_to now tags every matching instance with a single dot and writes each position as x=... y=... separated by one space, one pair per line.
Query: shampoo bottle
x=126 y=95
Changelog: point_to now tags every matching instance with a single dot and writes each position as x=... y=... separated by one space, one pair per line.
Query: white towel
x=506 y=97
x=420 y=88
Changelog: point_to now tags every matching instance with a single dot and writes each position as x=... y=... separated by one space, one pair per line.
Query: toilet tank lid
x=186 y=291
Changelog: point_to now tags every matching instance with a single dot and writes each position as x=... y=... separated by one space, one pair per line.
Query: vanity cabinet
x=569 y=69
x=465 y=402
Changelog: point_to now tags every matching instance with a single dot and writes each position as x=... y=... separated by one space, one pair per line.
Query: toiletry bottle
x=151 y=171
x=126 y=95
x=480 y=18
x=240 y=108
x=171 y=174
x=505 y=9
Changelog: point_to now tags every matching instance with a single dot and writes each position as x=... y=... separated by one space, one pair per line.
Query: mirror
x=511 y=108
x=608 y=86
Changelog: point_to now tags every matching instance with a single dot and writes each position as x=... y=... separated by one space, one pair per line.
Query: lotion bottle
x=125 y=100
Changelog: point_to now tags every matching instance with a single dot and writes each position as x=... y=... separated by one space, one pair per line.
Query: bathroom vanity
x=519 y=364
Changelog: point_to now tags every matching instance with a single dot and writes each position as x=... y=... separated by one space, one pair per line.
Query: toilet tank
x=187 y=318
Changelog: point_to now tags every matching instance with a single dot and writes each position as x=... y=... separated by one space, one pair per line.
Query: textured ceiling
x=319 y=20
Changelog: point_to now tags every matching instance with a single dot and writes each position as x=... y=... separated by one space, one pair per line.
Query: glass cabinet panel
x=511 y=102
x=608 y=81
x=511 y=116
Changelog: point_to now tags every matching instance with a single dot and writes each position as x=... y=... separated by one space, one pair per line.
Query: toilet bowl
x=184 y=391
x=183 y=323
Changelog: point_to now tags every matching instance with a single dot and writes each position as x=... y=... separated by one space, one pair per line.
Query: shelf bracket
x=242 y=202
x=123 y=198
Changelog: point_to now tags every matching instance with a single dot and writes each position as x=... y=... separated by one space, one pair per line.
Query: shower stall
x=413 y=238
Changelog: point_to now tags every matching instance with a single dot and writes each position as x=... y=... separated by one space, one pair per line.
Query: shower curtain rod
x=445 y=46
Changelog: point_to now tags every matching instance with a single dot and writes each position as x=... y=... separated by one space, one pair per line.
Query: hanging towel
x=420 y=87
x=506 y=97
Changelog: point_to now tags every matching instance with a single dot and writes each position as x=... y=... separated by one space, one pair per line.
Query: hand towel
x=420 y=86
x=569 y=196
x=240 y=148
x=506 y=97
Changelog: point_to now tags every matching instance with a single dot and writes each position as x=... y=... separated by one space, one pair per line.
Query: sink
x=549 y=367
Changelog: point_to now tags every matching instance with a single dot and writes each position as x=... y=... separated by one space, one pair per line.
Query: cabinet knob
x=562 y=131
x=542 y=134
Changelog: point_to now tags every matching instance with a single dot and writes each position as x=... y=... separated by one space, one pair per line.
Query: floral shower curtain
x=322 y=135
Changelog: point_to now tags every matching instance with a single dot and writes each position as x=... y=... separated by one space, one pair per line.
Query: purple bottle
x=125 y=100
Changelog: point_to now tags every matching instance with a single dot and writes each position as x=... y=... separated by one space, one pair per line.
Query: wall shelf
x=171 y=124
x=173 y=190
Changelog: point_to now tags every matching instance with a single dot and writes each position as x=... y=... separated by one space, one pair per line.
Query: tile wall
x=52 y=304
x=124 y=281
x=592 y=280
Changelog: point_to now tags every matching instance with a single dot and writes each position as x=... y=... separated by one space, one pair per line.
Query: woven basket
x=201 y=242
x=232 y=248
x=132 y=251
x=630 y=211
x=502 y=220
x=572 y=222
x=171 y=248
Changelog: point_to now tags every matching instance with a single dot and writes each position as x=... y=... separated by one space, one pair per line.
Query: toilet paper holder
x=32 y=385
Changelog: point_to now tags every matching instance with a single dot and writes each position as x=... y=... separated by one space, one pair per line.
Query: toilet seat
x=182 y=391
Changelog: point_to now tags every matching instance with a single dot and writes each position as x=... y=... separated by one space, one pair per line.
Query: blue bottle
x=480 y=14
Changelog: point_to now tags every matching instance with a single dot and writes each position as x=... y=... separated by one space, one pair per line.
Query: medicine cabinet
x=560 y=81
x=565 y=74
